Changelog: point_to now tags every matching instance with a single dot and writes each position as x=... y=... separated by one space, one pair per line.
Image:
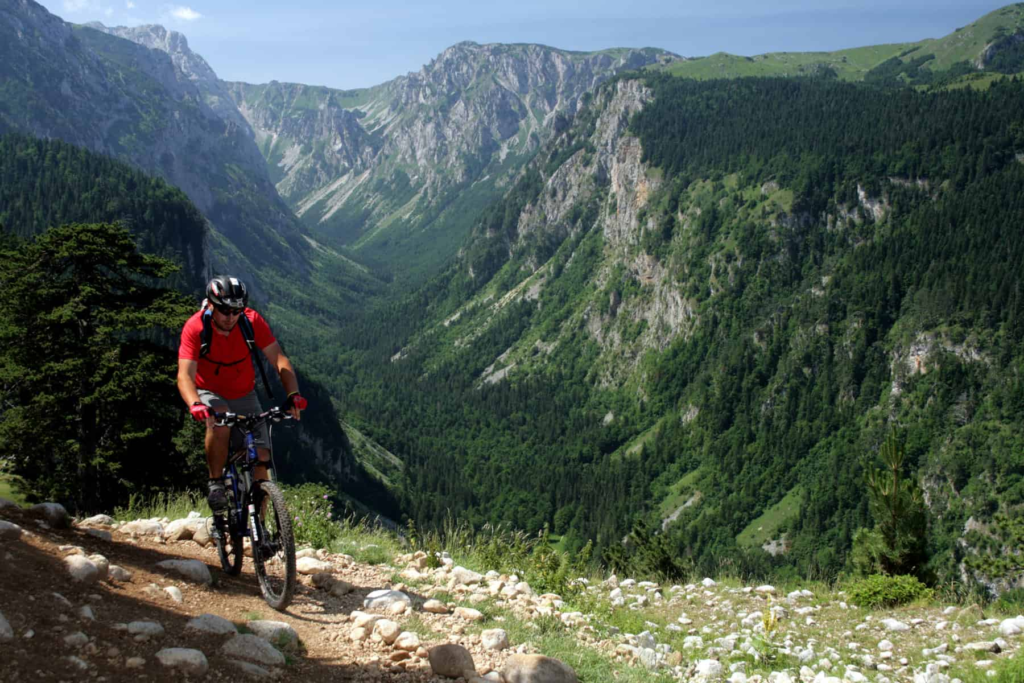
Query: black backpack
x=248 y=334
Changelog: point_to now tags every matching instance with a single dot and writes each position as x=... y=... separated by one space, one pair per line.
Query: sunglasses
x=227 y=310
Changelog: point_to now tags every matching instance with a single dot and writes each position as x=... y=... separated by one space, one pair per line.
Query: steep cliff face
x=377 y=166
x=151 y=109
x=585 y=222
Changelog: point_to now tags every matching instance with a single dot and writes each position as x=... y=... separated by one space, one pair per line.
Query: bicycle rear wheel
x=229 y=545
x=273 y=554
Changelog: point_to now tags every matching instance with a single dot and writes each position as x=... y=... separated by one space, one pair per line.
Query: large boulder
x=54 y=514
x=193 y=570
x=537 y=669
x=188 y=661
x=451 y=661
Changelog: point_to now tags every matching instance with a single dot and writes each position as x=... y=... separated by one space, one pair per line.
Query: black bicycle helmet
x=224 y=290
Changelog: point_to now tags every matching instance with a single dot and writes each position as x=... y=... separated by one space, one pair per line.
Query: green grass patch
x=172 y=505
x=9 y=490
x=766 y=527
x=679 y=493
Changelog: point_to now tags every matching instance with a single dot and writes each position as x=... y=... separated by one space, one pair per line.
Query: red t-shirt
x=227 y=381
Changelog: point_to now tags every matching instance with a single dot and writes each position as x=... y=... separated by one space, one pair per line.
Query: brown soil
x=32 y=570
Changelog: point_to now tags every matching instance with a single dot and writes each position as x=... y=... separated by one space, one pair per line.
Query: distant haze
x=321 y=43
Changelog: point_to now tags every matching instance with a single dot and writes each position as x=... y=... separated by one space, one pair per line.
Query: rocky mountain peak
x=187 y=63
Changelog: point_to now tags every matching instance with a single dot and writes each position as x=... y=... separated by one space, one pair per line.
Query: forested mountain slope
x=46 y=183
x=398 y=171
x=708 y=302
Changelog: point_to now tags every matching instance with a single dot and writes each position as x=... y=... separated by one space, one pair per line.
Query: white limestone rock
x=142 y=527
x=146 y=628
x=383 y=599
x=186 y=660
x=387 y=630
x=311 y=565
x=407 y=642
x=6 y=632
x=211 y=623
x=277 y=633
x=894 y=625
x=252 y=648
x=82 y=569
x=192 y=570
x=494 y=639
x=117 y=573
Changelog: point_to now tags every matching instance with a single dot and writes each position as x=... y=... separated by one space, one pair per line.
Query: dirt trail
x=32 y=570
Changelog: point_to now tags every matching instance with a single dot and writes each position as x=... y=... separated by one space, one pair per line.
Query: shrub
x=1011 y=602
x=312 y=515
x=879 y=590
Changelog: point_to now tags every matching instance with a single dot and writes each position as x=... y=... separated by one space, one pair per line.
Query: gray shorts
x=247 y=405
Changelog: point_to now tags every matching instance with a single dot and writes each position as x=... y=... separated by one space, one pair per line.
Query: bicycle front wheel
x=273 y=551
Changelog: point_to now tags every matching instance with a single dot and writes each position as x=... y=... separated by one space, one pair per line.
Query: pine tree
x=898 y=543
x=88 y=407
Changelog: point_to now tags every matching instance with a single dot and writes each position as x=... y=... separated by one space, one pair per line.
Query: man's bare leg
x=217 y=439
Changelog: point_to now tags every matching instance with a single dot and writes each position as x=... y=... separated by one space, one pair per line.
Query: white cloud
x=75 y=5
x=185 y=13
x=129 y=4
x=109 y=11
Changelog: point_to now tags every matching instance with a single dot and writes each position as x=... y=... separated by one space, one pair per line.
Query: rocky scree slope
x=377 y=166
x=108 y=599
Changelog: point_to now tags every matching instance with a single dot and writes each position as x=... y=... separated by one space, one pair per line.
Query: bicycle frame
x=244 y=508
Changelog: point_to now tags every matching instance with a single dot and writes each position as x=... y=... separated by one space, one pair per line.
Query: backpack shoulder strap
x=206 y=334
x=245 y=326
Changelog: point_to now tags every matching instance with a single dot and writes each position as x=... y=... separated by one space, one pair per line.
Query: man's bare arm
x=187 y=380
x=284 y=368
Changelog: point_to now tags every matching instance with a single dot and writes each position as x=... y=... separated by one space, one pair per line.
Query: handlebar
x=229 y=419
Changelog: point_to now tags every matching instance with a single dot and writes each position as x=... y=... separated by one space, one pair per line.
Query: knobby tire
x=277 y=590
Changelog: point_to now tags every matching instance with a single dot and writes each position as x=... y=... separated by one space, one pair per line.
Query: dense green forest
x=46 y=183
x=802 y=359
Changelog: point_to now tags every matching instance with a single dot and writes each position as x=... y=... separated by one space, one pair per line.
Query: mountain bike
x=256 y=510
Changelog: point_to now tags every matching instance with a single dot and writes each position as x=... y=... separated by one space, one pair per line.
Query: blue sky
x=345 y=45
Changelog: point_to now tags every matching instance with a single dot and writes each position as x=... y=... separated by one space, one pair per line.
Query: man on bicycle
x=221 y=376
